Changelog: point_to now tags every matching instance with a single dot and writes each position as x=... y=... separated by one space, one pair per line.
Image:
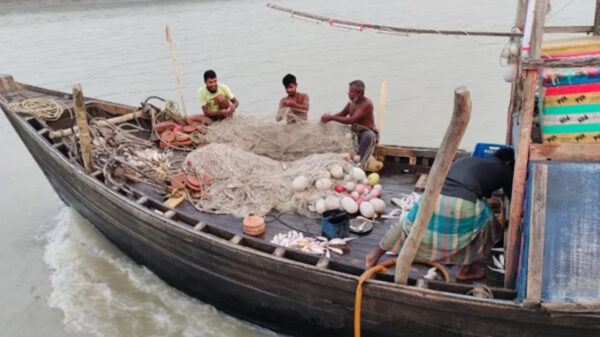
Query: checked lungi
x=459 y=232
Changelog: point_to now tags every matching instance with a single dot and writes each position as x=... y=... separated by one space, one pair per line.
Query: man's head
x=356 y=90
x=290 y=85
x=210 y=79
x=507 y=155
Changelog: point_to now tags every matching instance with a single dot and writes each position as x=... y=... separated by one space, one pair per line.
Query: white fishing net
x=245 y=183
x=281 y=141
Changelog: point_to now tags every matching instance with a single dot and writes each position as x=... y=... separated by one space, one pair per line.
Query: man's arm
x=327 y=117
x=211 y=114
x=360 y=112
x=303 y=105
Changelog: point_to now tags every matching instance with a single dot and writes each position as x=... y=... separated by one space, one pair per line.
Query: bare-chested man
x=217 y=100
x=359 y=113
x=295 y=104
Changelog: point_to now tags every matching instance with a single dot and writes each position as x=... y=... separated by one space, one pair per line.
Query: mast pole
x=522 y=155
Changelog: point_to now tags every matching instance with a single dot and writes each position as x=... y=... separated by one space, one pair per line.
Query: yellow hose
x=382 y=267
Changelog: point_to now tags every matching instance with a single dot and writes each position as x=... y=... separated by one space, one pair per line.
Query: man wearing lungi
x=463 y=228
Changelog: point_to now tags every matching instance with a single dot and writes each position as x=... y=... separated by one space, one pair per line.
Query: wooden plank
x=169 y=214
x=43 y=131
x=535 y=63
x=176 y=199
x=394 y=151
x=323 y=263
x=142 y=200
x=519 y=178
x=199 y=227
x=564 y=152
x=421 y=182
x=381 y=108
x=236 y=239
x=85 y=140
x=112 y=121
x=441 y=166
x=279 y=251
x=596 y=28
x=522 y=148
x=567 y=29
x=535 y=264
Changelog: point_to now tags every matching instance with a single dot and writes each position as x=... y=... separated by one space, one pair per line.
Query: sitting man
x=463 y=228
x=295 y=104
x=359 y=113
x=216 y=99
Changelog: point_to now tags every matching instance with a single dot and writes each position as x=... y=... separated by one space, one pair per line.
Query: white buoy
x=300 y=183
x=509 y=73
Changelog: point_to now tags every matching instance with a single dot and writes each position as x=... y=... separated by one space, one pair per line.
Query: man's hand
x=325 y=118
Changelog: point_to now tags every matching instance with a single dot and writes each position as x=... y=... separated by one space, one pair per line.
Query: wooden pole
x=85 y=141
x=596 y=29
x=113 y=121
x=174 y=58
x=521 y=11
x=520 y=174
x=537 y=229
x=437 y=175
x=381 y=107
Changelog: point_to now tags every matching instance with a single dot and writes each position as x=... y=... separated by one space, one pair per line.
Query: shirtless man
x=218 y=102
x=295 y=104
x=359 y=113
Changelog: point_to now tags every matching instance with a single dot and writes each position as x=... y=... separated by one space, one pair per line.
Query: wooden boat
x=208 y=257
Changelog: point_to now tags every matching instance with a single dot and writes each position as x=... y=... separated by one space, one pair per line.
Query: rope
x=387 y=29
x=382 y=267
x=46 y=109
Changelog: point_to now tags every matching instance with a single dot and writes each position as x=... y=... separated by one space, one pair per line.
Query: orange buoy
x=193 y=182
x=178 y=181
x=253 y=225
x=168 y=137
x=189 y=128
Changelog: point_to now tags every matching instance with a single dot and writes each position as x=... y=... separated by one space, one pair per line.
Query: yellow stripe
x=561 y=138
x=571 y=99
x=571 y=45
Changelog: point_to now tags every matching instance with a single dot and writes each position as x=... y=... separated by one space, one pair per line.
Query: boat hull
x=275 y=292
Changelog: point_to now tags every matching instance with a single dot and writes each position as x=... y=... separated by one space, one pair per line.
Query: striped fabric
x=459 y=232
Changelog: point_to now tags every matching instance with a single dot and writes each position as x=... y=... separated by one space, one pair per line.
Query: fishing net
x=245 y=183
x=280 y=141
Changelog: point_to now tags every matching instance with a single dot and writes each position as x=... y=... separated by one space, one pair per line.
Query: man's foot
x=474 y=271
x=372 y=258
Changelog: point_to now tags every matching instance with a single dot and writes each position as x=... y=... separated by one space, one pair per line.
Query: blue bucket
x=335 y=224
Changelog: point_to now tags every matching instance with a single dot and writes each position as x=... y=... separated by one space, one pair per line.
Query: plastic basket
x=487 y=150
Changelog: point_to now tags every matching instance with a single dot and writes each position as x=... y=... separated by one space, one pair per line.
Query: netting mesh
x=245 y=183
x=281 y=141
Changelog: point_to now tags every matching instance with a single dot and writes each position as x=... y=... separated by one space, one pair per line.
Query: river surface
x=61 y=277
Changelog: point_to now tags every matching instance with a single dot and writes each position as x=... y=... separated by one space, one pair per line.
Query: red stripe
x=573 y=89
x=572 y=55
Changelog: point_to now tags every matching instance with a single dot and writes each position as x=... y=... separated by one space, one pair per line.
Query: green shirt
x=209 y=98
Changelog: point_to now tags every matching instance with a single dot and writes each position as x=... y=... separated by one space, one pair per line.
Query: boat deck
x=402 y=169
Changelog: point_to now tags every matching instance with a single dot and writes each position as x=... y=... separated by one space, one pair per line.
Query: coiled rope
x=44 y=108
x=380 y=268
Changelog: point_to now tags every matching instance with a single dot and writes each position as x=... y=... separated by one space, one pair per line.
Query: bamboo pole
x=437 y=175
x=381 y=107
x=596 y=29
x=85 y=141
x=174 y=58
x=114 y=121
x=520 y=174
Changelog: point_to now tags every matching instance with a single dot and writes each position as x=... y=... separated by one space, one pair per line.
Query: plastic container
x=487 y=150
x=335 y=224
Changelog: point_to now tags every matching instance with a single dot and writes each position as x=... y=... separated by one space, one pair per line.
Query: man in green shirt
x=216 y=99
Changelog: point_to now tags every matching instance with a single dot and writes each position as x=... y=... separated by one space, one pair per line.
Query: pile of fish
x=315 y=245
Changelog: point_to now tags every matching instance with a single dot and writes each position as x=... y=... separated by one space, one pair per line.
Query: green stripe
x=571 y=109
x=547 y=129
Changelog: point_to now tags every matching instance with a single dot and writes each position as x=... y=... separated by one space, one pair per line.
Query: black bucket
x=335 y=224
